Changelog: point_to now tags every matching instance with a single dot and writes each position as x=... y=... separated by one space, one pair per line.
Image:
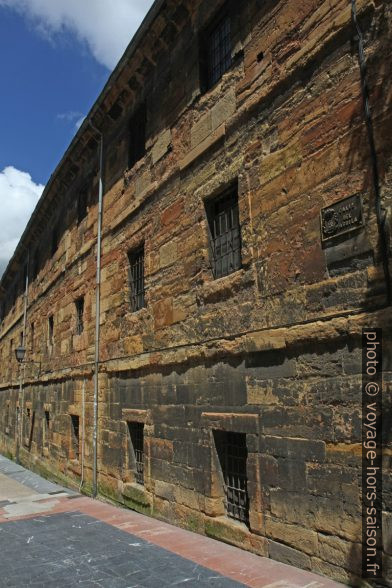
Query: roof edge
x=151 y=15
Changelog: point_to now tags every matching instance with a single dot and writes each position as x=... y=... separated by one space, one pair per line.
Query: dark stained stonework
x=271 y=350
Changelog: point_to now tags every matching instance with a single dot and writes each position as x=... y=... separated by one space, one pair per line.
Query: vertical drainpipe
x=19 y=438
x=97 y=312
x=83 y=431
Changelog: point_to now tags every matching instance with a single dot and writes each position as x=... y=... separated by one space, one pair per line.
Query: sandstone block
x=288 y=555
x=168 y=254
x=161 y=145
x=201 y=130
x=223 y=109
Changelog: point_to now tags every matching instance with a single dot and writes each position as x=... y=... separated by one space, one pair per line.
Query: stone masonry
x=272 y=350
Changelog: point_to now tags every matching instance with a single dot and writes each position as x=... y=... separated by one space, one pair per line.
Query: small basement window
x=136 y=278
x=79 y=306
x=75 y=435
x=136 y=435
x=232 y=454
x=225 y=233
x=46 y=429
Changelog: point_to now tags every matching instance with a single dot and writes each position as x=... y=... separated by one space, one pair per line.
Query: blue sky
x=49 y=86
x=55 y=57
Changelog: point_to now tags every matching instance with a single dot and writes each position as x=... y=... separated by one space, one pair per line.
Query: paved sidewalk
x=53 y=537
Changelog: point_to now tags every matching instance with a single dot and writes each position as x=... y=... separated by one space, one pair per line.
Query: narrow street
x=51 y=536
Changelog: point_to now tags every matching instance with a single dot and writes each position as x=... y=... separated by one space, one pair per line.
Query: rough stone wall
x=272 y=350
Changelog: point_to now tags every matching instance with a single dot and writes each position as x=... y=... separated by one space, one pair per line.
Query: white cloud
x=79 y=122
x=69 y=116
x=18 y=196
x=107 y=26
x=72 y=116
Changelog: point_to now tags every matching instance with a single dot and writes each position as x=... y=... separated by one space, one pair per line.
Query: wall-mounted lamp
x=20 y=353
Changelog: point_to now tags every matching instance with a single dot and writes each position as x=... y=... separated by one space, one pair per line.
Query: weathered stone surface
x=161 y=146
x=288 y=555
x=271 y=351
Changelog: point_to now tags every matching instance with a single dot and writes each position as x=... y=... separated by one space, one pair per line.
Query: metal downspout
x=97 y=314
x=83 y=431
x=22 y=365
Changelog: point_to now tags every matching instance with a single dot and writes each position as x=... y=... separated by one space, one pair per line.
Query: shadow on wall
x=377 y=32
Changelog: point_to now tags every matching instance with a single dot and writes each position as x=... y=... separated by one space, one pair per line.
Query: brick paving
x=53 y=537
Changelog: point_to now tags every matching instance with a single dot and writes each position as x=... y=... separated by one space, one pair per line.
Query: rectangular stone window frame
x=32 y=336
x=46 y=428
x=50 y=331
x=130 y=415
x=216 y=46
x=28 y=425
x=79 y=309
x=232 y=451
x=7 y=417
x=246 y=423
x=136 y=278
x=224 y=231
x=136 y=438
x=74 y=439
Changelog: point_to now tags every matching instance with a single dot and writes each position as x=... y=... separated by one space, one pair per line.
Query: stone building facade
x=241 y=254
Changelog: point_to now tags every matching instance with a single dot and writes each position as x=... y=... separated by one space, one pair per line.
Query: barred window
x=216 y=47
x=50 y=329
x=136 y=278
x=79 y=306
x=32 y=336
x=137 y=136
x=46 y=429
x=232 y=454
x=136 y=434
x=75 y=435
x=225 y=233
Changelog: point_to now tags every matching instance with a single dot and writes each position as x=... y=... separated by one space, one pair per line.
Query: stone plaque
x=342 y=217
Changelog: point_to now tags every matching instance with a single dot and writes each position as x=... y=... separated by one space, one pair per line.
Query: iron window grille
x=225 y=234
x=46 y=429
x=137 y=136
x=79 y=304
x=32 y=337
x=75 y=434
x=7 y=420
x=233 y=453
x=216 y=50
x=136 y=433
x=29 y=427
x=136 y=278
x=51 y=329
